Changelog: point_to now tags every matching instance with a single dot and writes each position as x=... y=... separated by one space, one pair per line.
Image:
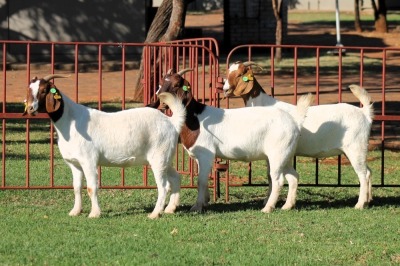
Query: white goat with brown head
x=88 y=138
x=328 y=130
x=245 y=134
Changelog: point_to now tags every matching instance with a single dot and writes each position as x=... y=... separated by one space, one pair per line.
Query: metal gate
x=325 y=72
x=103 y=77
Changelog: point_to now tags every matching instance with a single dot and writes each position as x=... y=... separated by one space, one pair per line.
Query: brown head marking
x=43 y=96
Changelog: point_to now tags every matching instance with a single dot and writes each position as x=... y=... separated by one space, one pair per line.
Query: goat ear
x=245 y=84
x=52 y=104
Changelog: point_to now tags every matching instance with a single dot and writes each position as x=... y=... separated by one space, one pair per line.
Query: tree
x=379 y=7
x=167 y=26
x=277 y=6
x=357 y=20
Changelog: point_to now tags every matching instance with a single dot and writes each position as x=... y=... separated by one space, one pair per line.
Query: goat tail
x=178 y=110
x=365 y=99
x=302 y=107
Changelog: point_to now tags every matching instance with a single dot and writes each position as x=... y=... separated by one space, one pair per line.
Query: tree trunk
x=167 y=26
x=277 y=7
x=380 y=15
x=357 y=20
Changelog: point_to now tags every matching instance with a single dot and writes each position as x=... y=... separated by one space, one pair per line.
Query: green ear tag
x=53 y=90
x=185 y=88
x=245 y=78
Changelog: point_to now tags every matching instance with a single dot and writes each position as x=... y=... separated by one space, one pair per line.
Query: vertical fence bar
x=76 y=71
x=123 y=98
x=340 y=100
x=317 y=78
x=272 y=72
x=383 y=113
x=3 y=133
x=52 y=127
x=100 y=75
x=295 y=76
x=147 y=63
x=361 y=68
x=295 y=91
x=100 y=91
x=28 y=71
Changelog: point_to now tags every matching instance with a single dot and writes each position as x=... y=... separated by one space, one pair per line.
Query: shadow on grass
x=257 y=205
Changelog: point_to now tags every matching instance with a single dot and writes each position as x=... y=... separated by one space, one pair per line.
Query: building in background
x=251 y=22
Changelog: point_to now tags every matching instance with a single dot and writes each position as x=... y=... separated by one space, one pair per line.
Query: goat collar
x=54 y=103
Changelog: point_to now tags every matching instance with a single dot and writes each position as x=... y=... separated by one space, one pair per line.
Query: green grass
x=36 y=230
x=329 y=17
x=323 y=229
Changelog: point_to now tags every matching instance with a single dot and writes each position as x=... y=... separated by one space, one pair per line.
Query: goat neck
x=176 y=84
x=191 y=129
x=255 y=92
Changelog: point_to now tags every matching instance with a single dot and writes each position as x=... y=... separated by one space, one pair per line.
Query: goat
x=328 y=130
x=88 y=138
x=245 y=134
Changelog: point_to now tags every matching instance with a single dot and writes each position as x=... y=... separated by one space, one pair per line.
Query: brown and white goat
x=244 y=134
x=88 y=138
x=328 y=130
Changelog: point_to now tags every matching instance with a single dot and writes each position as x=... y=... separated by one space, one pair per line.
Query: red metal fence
x=103 y=76
x=325 y=72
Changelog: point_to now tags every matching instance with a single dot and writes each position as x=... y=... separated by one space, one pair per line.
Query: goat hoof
x=94 y=214
x=360 y=206
x=154 y=215
x=74 y=212
x=170 y=209
x=267 y=209
x=287 y=207
x=197 y=208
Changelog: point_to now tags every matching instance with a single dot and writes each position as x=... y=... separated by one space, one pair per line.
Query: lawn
x=323 y=229
x=330 y=17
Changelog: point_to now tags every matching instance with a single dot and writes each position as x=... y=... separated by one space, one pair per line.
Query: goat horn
x=183 y=71
x=251 y=63
x=52 y=76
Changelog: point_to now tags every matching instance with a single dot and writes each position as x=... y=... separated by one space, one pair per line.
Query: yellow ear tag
x=57 y=96
x=26 y=106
